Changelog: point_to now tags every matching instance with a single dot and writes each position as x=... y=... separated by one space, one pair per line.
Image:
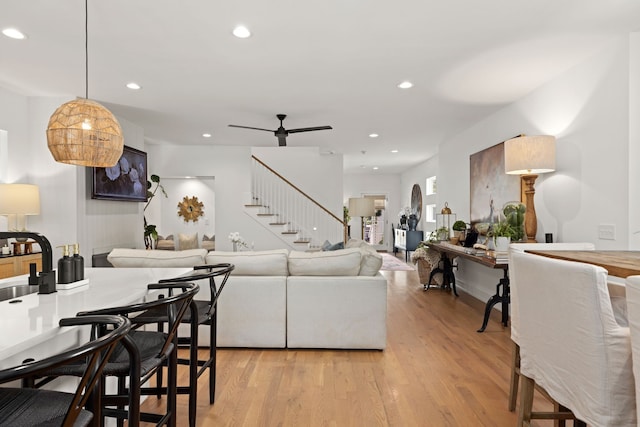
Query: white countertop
x=34 y=321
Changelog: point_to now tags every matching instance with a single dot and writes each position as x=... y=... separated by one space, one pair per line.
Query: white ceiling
x=321 y=62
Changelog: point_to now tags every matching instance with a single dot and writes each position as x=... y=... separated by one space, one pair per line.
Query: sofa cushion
x=209 y=243
x=253 y=263
x=342 y=262
x=187 y=241
x=166 y=243
x=371 y=261
x=122 y=257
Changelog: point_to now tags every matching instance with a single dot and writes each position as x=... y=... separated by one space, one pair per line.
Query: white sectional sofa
x=278 y=299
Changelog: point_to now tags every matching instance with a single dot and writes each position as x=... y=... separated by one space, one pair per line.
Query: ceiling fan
x=281 y=133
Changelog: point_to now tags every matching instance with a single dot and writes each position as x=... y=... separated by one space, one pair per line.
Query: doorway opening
x=375 y=226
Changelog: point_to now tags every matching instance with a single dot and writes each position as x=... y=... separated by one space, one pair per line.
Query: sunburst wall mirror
x=190 y=209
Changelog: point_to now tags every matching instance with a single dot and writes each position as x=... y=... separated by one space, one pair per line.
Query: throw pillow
x=209 y=243
x=188 y=241
x=326 y=245
x=166 y=243
x=336 y=246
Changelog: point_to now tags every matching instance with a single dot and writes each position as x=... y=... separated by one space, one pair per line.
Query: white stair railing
x=290 y=211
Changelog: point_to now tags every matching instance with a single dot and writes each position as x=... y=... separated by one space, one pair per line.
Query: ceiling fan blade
x=309 y=129
x=249 y=127
x=282 y=140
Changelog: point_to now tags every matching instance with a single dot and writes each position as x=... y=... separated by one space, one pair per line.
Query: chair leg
x=515 y=376
x=193 y=370
x=172 y=386
x=212 y=355
x=526 y=402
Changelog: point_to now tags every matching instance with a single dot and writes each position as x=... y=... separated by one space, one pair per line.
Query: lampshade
x=363 y=206
x=530 y=155
x=19 y=199
x=83 y=132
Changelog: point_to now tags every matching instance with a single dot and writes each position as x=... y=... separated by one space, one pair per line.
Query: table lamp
x=529 y=156
x=17 y=201
x=362 y=207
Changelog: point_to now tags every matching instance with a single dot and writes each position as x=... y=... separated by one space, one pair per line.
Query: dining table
x=617 y=263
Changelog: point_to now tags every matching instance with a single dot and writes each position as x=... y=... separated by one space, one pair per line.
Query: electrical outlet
x=607 y=232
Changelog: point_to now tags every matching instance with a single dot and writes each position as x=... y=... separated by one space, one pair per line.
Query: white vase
x=235 y=247
x=502 y=243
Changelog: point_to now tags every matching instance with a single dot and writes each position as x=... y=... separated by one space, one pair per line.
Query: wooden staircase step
x=266 y=214
x=278 y=223
x=253 y=206
x=302 y=241
x=291 y=232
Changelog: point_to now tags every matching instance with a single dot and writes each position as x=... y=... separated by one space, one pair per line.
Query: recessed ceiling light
x=394 y=151
x=134 y=86
x=375 y=168
x=373 y=135
x=241 y=32
x=405 y=85
x=206 y=135
x=14 y=34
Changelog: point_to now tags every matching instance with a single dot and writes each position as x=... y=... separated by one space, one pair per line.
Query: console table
x=502 y=295
x=407 y=240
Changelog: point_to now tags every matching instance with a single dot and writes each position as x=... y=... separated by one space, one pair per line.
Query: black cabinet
x=407 y=240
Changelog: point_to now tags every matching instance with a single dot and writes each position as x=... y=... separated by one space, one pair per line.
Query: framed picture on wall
x=490 y=186
x=126 y=181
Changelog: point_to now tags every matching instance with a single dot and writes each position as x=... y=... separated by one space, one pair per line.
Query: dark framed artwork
x=126 y=181
x=490 y=186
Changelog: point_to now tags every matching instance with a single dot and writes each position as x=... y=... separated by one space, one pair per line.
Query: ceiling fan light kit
x=281 y=133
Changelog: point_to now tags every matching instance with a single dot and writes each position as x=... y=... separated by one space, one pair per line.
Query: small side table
x=17 y=247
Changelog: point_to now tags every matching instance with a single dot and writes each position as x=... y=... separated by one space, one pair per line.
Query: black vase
x=403 y=221
x=412 y=222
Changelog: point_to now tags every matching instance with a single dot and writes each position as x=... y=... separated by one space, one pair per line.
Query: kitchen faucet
x=46 y=279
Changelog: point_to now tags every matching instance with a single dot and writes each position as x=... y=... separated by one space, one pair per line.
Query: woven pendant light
x=83 y=132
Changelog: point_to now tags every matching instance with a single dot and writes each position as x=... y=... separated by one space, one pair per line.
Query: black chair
x=203 y=313
x=32 y=406
x=142 y=353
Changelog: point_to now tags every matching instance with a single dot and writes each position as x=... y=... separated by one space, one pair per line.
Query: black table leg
x=448 y=278
x=503 y=298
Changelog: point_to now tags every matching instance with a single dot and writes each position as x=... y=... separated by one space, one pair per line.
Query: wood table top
x=617 y=263
x=471 y=254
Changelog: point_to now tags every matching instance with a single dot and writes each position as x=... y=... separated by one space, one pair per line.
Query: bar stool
x=32 y=406
x=141 y=354
x=202 y=313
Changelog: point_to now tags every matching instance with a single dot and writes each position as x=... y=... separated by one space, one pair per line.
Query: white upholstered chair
x=633 y=309
x=515 y=321
x=571 y=344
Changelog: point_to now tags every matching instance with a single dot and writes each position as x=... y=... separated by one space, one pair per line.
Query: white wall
x=587 y=109
x=634 y=142
x=67 y=215
x=231 y=168
x=418 y=175
x=178 y=188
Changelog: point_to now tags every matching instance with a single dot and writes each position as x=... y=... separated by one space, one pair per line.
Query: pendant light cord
x=86 y=49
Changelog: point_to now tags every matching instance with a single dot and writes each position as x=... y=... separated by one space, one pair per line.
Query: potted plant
x=501 y=232
x=150 y=232
x=514 y=216
x=443 y=233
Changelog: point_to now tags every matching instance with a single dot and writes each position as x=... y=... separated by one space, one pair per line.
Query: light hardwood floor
x=436 y=371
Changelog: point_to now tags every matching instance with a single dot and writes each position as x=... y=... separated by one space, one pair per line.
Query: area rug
x=391 y=263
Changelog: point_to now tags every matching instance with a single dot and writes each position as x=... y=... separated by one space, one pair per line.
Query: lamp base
x=530 y=219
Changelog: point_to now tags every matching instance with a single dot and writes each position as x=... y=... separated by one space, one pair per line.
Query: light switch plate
x=607 y=232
